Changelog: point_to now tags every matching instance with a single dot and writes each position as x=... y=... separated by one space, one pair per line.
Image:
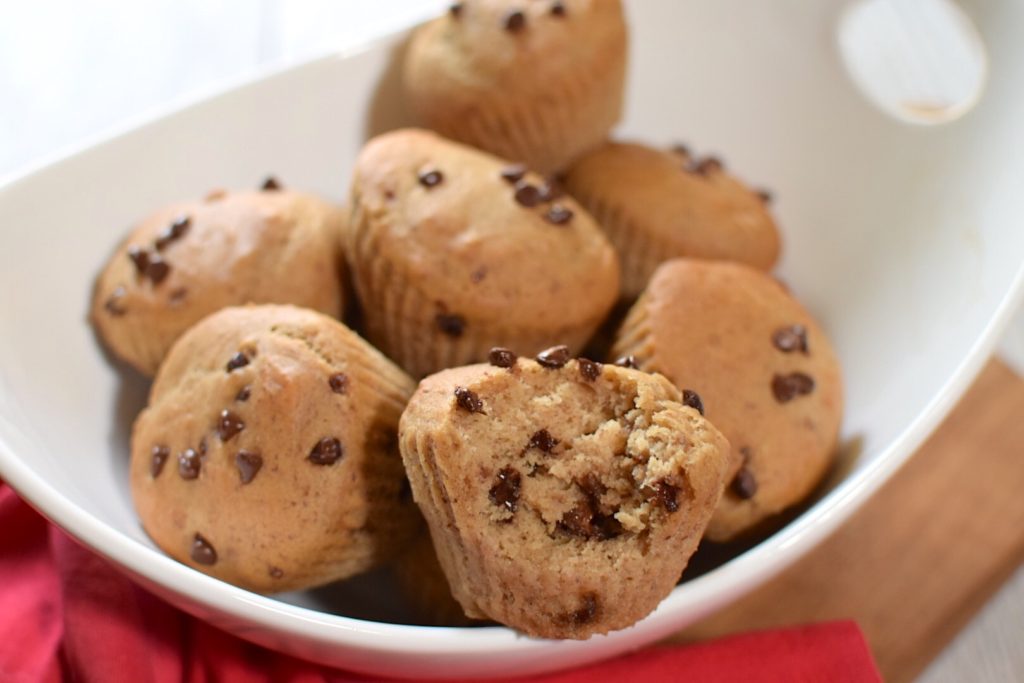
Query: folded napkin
x=66 y=614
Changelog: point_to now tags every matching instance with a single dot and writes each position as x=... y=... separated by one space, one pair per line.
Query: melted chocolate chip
x=270 y=184
x=790 y=338
x=787 y=387
x=157 y=269
x=113 y=303
x=276 y=572
x=505 y=492
x=586 y=613
x=327 y=451
x=202 y=551
x=692 y=399
x=527 y=195
x=173 y=232
x=239 y=360
x=764 y=195
x=666 y=495
x=450 y=324
x=558 y=214
x=160 y=455
x=543 y=440
x=555 y=357
x=590 y=370
x=583 y=521
x=468 y=400
x=501 y=357
x=140 y=257
x=706 y=166
x=744 y=485
x=627 y=362
x=189 y=464
x=515 y=21
x=558 y=8
x=229 y=425
x=431 y=178
x=514 y=173
x=248 y=464
x=338 y=382
x=243 y=394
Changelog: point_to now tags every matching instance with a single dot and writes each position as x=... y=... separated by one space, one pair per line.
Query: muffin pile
x=529 y=478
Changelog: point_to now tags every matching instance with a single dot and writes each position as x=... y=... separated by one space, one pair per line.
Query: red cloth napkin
x=66 y=614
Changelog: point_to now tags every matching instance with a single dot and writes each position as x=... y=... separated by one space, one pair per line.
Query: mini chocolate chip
x=555 y=357
x=514 y=173
x=627 y=362
x=229 y=425
x=327 y=451
x=188 y=464
x=113 y=303
x=270 y=184
x=505 y=492
x=681 y=149
x=276 y=572
x=243 y=393
x=501 y=357
x=160 y=455
x=248 y=464
x=558 y=8
x=239 y=360
x=172 y=232
x=791 y=338
x=543 y=440
x=744 y=485
x=587 y=611
x=787 y=387
x=157 y=269
x=140 y=257
x=706 y=166
x=666 y=495
x=338 y=382
x=431 y=178
x=450 y=324
x=515 y=21
x=527 y=195
x=202 y=551
x=764 y=195
x=468 y=400
x=692 y=398
x=558 y=214
x=590 y=370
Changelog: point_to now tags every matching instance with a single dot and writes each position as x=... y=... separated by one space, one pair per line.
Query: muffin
x=657 y=205
x=268 y=457
x=765 y=371
x=564 y=497
x=454 y=251
x=188 y=260
x=425 y=587
x=540 y=82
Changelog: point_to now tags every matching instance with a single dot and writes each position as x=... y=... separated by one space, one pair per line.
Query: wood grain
x=923 y=555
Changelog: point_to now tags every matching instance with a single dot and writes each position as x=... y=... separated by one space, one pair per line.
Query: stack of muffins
x=520 y=481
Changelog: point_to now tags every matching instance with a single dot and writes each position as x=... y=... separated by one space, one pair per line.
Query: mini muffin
x=454 y=251
x=193 y=258
x=564 y=497
x=425 y=587
x=657 y=205
x=268 y=457
x=538 y=81
x=765 y=371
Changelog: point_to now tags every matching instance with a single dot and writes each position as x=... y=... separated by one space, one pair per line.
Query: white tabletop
x=71 y=71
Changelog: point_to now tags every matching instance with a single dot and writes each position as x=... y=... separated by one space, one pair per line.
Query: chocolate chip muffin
x=766 y=373
x=454 y=251
x=188 y=260
x=538 y=81
x=657 y=205
x=564 y=497
x=267 y=456
x=425 y=587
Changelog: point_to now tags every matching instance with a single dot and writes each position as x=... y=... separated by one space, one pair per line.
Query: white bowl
x=905 y=240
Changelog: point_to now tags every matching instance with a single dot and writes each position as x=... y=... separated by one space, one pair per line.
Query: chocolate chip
x=692 y=399
x=586 y=613
x=505 y=492
x=202 y=551
x=478 y=275
x=248 y=464
x=239 y=360
x=188 y=464
x=555 y=357
x=558 y=214
x=706 y=166
x=140 y=257
x=627 y=362
x=270 y=184
x=177 y=296
x=590 y=370
x=515 y=21
x=450 y=324
x=514 y=173
x=229 y=425
x=744 y=485
x=243 y=394
x=113 y=303
x=160 y=455
x=790 y=338
x=764 y=195
x=468 y=400
x=584 y=521
x=172 y=232
x=276 y=572
x=558 y=8
x=787 y=387
x=681 y=149
x=431 y=178
x=527 y=195
x=666 y=495
x=338 y=382
x=157 y=269
x=501 y=357
x=202 y=447
x=543 y=440
x=327 y=451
